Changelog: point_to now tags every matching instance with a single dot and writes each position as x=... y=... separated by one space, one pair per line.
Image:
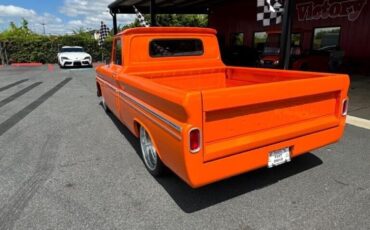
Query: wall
x=240 y=16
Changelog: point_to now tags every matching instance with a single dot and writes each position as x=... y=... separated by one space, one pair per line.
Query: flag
x=104 y=31
x=140 y=17
x=269 y=11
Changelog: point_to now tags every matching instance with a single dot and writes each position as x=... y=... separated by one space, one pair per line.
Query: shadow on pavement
x=192 y=200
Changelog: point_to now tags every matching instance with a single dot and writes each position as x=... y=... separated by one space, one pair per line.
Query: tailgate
x=243 y=118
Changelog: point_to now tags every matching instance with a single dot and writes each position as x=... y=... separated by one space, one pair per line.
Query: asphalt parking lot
x=66 y=164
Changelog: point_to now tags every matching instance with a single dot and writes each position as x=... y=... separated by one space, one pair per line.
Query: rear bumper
x=200 y=174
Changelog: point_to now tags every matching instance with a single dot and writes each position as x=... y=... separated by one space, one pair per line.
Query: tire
x=149 y=155
x=105 y=107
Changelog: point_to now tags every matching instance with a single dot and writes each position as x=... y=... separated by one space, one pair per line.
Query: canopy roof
x=163 y=6
x=146 y=30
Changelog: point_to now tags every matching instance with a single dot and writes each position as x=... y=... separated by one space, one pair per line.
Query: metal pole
x=286 y=35
x=43 y=26
x=153 y=14
x=102 y=55
x=2 y=58
x=115 y=29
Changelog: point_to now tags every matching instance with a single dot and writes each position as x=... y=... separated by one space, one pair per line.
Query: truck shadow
x=192 y=200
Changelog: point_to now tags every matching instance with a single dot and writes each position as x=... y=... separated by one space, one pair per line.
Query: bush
x=22 y=45
x=45 y=48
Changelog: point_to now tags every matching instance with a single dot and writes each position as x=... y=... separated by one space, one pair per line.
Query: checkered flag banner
x=140 y=17
x=270 y=11
x=104 y=31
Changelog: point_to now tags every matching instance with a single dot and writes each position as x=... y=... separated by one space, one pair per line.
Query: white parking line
x=359 y=122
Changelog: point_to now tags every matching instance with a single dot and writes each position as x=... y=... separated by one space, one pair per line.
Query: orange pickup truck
x=206 y=121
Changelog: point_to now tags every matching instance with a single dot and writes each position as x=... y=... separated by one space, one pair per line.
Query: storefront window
x=326 y=38
x=296 y=39
x=237 y=39
x=259 y=39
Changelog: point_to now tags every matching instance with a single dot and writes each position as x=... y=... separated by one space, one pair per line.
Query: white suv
x=74 y=56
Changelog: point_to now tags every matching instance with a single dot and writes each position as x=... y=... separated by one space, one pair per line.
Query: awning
x=163 y=6
x=154 y=7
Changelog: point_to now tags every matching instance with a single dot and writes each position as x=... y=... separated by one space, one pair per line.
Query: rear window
x=176 y=47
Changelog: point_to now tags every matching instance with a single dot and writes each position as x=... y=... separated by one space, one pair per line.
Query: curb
x=31 y=64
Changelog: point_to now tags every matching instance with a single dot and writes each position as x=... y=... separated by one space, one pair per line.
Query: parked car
x=206 y=121
x=326 y=59
x=74 y=56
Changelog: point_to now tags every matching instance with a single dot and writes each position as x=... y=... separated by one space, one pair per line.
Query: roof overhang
x=177 y=30
x=163 y=6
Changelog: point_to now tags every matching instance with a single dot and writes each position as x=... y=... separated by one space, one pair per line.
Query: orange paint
x=243 y=113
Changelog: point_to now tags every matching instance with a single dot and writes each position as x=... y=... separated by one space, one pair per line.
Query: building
x=317 y=25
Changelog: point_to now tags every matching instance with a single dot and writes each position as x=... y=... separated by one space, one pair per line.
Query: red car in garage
x=328 y=58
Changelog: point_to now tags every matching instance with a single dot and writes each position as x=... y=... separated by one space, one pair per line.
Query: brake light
x=195 y=142
x=345 y=107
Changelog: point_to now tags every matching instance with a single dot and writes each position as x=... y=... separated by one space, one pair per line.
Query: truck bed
x=210 y=79
x=245 y=108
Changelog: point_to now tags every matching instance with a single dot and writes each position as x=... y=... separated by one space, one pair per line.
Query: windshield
x=271 y=51
x=64 y=50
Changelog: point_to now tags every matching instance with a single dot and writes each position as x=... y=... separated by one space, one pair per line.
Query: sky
x=59 y=16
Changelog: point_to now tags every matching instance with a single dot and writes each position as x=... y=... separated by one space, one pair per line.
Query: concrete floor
x=360 y=97
x=66 y=164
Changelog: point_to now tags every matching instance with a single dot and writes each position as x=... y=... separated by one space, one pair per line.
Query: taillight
x=345 y=107
x=195 y=142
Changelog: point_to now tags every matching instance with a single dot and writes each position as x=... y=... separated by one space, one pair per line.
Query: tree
x=192 y=20
x=24 y=25
x=17 y=32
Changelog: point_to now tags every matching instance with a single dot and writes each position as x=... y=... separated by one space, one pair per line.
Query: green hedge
x=45 y=48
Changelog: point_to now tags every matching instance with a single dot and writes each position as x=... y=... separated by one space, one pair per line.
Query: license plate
x=279 y=157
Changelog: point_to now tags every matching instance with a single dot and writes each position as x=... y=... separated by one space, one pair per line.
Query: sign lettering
x=351 y=9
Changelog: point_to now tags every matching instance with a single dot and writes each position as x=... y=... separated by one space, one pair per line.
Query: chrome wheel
x=148 y=151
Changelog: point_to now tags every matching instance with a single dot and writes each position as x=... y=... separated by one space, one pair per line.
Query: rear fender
x=137 y=124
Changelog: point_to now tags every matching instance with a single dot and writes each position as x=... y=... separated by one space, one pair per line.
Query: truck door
x=122 y=106
x=115 y=68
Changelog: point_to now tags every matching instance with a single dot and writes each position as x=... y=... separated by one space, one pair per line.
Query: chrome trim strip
x=131 y=99
x=100 y=75
x=164 y=120
x=112 y=87
x=171 y=132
